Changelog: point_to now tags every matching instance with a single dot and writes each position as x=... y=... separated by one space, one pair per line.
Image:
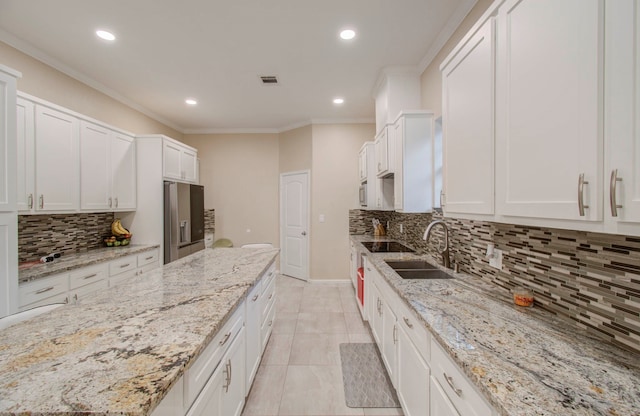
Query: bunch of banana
x=118 y=230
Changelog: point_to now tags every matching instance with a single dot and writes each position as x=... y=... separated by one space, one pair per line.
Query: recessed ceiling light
x=103 y=34
x=338 y=100
x=191 y=101
x=347 y=34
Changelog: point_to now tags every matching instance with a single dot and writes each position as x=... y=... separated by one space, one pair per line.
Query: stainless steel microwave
x=363 y=195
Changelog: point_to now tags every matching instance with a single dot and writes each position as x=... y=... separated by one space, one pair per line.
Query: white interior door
x=294 y=224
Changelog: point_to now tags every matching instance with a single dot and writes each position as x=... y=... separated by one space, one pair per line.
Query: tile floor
x=300 y=373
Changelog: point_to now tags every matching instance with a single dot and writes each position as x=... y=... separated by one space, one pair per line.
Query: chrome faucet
x=446 y=262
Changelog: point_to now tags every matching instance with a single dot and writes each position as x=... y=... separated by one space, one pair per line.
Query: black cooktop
x=386 y=247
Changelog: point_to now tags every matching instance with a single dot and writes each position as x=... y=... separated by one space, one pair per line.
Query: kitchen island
x=524 y=361
x=121 y=350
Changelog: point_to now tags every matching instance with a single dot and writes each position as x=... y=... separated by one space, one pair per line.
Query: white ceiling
x=215 y=51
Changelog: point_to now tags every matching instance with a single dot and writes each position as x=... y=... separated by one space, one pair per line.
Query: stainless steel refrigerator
x=183 y=220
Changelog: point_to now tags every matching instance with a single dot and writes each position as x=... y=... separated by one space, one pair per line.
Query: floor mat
x=366 y=382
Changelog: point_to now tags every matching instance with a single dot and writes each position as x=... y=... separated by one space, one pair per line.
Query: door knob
x=304 y=233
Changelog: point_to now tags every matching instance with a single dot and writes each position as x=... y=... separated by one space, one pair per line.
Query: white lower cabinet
x=87 y=280
x=220 y=379
x=412 y=377
x=70 y=287
x=440 y=404
x=253 y=330
x=389 y=339
x=427 y=381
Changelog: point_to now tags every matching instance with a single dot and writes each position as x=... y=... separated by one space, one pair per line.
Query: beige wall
x=43 y=81
x=334 y=190
x=431 y=80
x=295 y=149
x=240 y=173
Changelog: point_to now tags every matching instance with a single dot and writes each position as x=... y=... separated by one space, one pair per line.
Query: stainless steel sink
x=417 y=269
x=423 y=274
x=410 y=265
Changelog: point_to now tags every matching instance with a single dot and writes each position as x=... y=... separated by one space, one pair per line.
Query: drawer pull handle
x=226 y=338
x=122 y=266
x=450 y=383
x=255 y=298
x=41 y=201
x=270 y=296
x=149 y=258
x=408 y=322
x=90 y=276
x=30 y=201
x=46 y=289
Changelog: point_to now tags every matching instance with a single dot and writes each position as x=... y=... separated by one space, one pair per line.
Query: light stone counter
x=121 y=350
x=73 y=261
x=524 y=360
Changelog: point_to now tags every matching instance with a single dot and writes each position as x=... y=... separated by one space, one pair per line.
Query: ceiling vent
x=269 y=79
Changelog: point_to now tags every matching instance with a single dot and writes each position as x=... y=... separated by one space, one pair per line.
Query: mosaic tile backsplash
x=210 y=220
x=589 y=279
x=39 y=235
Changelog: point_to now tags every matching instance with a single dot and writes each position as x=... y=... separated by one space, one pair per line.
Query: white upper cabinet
x=123 y=171
x=179 y=161
x=26 y=154
x=95 y=167
x=622 y=115
x=414 y=173
x=56 y=160
x=385 y=152
x=468 y=127
x=397 y=89
x=362 y=164
x=7 y=139
x=68 y=162
x=549 y=109
x=107 y=169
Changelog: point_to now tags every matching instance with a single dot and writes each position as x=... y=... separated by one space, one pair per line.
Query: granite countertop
x=119 y=351
x=525 y=361
x=67 y=262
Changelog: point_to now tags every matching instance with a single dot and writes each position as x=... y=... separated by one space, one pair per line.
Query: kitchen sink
x=410 y=265
x=423 y=274
x=417 y=269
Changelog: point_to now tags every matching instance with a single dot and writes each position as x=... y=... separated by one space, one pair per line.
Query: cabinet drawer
x=413 y=328
x=455 y=384
x=88 y=275
x=198 y=374
x=85 y=290
x=267 y=326
x=268 y=298
x=33 y=293
x=123 y=265
x=122 y=277
x=269 y=276
x=148 y=257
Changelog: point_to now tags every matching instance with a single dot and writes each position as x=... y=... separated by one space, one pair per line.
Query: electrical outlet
x=496 y=260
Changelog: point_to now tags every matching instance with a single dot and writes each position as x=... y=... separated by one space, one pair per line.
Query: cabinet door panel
x=389 y=337
x=8 y=263
x=56 y=160
x=468 y=125
x=253 y=326
x=123 y=167
x=413 y=378
x=95 y=167
x=7 y=142
x=171 y=161
x=440 y=403
x=549 y=107
x=188 y=165
x=622 y=114
x=234 y=393
x=25 y=135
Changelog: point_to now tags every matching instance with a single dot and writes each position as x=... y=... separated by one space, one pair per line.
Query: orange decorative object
x=522 y=297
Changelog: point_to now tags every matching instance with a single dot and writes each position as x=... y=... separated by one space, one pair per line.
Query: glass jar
x=522 y=296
